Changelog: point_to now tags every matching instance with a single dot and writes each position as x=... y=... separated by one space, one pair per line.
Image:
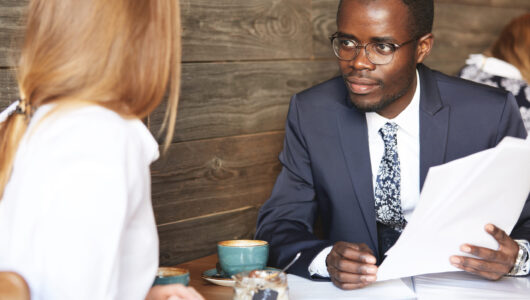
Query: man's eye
x=347 y=44
x=383 y=48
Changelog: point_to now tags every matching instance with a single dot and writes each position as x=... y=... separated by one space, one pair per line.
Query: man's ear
x=424 y=47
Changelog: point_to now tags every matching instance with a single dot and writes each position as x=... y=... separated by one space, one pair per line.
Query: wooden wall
x=242 y=61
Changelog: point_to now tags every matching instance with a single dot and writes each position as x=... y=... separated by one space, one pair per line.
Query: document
x=304 y=289
x=465 y=286
x=458 y=199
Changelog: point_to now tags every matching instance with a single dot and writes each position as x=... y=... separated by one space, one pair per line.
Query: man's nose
x=361 y=61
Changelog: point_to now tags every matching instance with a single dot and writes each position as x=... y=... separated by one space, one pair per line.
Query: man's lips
x=359 y=85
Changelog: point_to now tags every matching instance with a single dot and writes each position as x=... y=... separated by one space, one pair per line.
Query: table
x=459 y=285
x=208 y=290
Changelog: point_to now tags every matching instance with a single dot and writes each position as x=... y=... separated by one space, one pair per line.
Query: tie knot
x=388 y=131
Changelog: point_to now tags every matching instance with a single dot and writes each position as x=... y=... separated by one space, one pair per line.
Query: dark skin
x=388 y=90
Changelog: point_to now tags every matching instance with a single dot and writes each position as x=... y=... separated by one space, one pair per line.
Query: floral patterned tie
x=388 y=184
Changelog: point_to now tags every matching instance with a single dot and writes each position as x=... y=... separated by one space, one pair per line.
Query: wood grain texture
x=246 y=30
x=8 y=88
x=239 y=98
x=222 y=30
x=10 y=29
x=490 y=3
x=460 y=30
x=189 y=239
x=323 y=18
x=204 y=177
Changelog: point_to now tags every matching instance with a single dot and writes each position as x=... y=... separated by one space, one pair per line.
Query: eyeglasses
x=377 y=53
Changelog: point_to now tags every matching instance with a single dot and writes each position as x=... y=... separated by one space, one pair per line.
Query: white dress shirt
x=408 y=144
x=76 y=219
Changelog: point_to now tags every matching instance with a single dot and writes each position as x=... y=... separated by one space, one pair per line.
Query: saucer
x=212 y=276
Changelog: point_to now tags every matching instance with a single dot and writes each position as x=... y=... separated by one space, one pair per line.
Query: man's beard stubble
x=385 y=100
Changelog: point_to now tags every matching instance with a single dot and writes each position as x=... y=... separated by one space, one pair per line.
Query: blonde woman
x=506 y=64
x=75 y=212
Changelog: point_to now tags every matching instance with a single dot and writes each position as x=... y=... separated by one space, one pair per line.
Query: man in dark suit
x=358 y=147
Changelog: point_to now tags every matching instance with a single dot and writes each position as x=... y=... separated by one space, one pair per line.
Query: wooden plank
x=216 y=30
x=239 y=98
x=189 y=239
x=491 y=3
x=10 y=13
x=8 y=88
x=323 y=17
x=204 y=177
x=245 y=30
x=463 y=29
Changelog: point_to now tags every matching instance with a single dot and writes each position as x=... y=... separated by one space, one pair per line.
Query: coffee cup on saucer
x=237 y=256
x=171 y=275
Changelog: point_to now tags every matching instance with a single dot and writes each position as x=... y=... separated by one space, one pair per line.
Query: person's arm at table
x=493 y=264
x=286 y=220
x=173 y=292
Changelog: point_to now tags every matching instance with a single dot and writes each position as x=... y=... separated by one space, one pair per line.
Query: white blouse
x=76 y=219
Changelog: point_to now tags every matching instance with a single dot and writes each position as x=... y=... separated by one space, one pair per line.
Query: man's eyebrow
x=383 y=39
x=345 y=35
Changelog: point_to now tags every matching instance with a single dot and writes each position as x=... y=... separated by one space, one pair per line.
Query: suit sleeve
x=511 y=124
x=286 y=219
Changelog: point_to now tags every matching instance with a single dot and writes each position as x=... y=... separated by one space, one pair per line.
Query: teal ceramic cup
x=171 y=275
x=242 y=255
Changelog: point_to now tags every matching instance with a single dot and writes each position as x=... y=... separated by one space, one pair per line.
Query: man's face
x=386 y=89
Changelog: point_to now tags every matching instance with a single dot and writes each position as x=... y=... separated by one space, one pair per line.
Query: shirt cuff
x=522 y=263
x=318 y=265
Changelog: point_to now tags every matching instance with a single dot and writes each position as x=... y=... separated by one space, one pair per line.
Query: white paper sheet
x=462 y=285
x=302 y=289
x=458 y=199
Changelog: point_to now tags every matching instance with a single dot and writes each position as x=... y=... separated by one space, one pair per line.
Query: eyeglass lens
x=377 y=53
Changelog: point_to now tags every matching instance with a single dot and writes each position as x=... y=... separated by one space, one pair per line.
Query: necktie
x=388 y=184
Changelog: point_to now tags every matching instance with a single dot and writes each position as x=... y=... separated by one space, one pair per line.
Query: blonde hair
x=513 y=45
x=120 y=54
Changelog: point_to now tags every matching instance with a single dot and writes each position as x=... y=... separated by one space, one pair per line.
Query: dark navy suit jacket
x=326 y=161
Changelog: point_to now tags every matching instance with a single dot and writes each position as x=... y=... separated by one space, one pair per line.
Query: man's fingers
x=365 y=248
x=484 y=253
x=353 y=267
x=348 y=286
x=486 y=269
x=497 y=233
x=349 y=281
x=346 y=277
x=354 y=252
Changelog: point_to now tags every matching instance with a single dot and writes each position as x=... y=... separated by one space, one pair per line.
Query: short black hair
x=422 y=13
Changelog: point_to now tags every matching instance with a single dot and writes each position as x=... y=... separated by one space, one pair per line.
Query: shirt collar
x=407 y=120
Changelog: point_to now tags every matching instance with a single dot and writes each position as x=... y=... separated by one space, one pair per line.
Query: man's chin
x=371 y=106
x=366 y=106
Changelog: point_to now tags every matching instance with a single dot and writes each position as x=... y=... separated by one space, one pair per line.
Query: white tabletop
x=453 y=285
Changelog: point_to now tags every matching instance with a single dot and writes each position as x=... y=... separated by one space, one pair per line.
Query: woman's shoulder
x=90 y=129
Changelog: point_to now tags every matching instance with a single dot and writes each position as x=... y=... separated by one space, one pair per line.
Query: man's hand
x=492 y=264
x=173 y=292
x=351 y=266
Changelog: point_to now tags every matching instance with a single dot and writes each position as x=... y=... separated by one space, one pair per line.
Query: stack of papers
x=441 y=286
x=458 y=199
x=465 y=286
x=304 y=289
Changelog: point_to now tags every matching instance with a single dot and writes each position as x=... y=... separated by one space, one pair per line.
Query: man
x=357 y=149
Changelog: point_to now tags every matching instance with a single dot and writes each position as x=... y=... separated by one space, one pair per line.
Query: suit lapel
x=354 y=141
x=434 y=123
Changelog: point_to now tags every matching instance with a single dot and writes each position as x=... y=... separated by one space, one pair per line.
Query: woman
x=75 y=212
x=507 y=64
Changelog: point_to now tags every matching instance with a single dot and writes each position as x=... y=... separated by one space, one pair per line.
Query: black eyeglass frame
x=358 y=47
